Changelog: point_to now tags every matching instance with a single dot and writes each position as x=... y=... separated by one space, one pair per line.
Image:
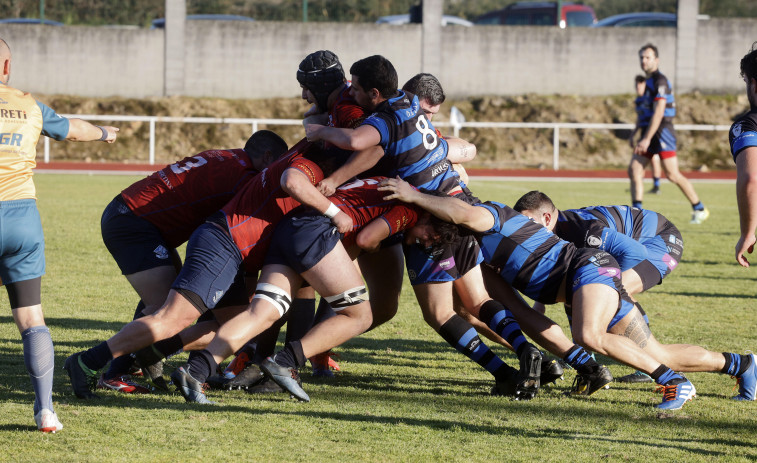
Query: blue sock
x=39 y=358
x=462 y=336
x=698 y=206
x=502 y=322
x=736 y=364
x=578 y=358
x=636 y=204
x=200 y=365
x=664 y=376
x=656 y=182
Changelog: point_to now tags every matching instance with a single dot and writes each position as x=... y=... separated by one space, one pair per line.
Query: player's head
x=319 y=74
x=641 y=83
x=374 y=80
x=649 y=58
x=263 y=147
x=429 y=91
x=538 y=207
x=5 y=61
x=749 y=73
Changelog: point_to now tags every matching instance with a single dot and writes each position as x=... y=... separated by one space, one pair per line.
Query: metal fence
x=457 y=123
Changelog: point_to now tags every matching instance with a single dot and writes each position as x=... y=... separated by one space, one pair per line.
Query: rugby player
x=658 y=136
x=534 y=261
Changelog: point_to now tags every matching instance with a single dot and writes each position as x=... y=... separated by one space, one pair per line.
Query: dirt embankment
x=497 y=148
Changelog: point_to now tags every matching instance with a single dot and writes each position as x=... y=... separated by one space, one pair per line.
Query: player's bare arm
x=298 y=186
x=357 y=139
x=446 y=208
x=746 y=195
x=358 y=163
x=460 y=150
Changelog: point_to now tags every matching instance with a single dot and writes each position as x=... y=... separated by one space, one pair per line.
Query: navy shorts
x=301 y=241
x=134 y=242
x=663 y=143
x=22 y=244
x=664 y=252
x=590 y=266
x=211 y=276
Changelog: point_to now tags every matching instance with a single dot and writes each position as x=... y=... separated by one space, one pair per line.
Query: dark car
x=540 y=14
x=45 y=22
x=160 y=23
x=641 y=19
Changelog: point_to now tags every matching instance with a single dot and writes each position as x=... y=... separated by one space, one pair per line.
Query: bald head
x=5 y=61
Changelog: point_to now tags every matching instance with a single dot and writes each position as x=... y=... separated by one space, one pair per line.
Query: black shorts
x=301 y=241
x=134 y=242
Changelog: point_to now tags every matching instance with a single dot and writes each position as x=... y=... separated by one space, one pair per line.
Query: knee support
x=354 y=296
x=280 y=299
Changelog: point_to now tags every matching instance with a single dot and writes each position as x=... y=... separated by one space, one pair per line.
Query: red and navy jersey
x=252 y=214
x=743 y=133
x=412 y=147
x=658 y=87
x=346 y=113
x=529 y=257
x=178 y=198
x=363 y=202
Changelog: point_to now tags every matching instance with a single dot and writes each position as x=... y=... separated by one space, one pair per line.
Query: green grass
x=404 y=394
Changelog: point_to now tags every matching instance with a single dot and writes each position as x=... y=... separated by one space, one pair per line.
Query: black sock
x=301 y=315
x=291 y=356
x=201 y=364
x=97 y=357
x=169 y=346
x=665 y=376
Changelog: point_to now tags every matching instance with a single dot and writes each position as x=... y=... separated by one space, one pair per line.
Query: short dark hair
x=376 y=72
x=265 y=140
x=749 y=63
x=651 y=47
x=639 y=78
x=533 y=201
x=426 y=87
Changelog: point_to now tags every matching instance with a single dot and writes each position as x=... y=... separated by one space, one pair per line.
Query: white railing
x=456 y=126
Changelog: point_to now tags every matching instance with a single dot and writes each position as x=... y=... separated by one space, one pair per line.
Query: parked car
x=540 y=14
x=641 y=19
x=45 y=22
x=160 y=23
x=399 y=19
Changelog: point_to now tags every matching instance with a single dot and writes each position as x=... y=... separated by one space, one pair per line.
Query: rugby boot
x=191 y=389
x=82 y=378
x=529 y=374
x=287 y=378
x=122 y=384
x=47 y=421
x=675 y=395
x=588 y=384
x=748 y=381
x=635 y=377
x=266 y=386
x=551 y=370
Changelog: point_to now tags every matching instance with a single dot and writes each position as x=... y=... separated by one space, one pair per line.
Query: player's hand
x=744 y=245
x=398 y=189
x=326 y=187
x=313 y=131
x=112 y=133
x=641 y=147
x=342 y=222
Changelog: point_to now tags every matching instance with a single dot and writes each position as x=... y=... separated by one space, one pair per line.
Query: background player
x=658 y=137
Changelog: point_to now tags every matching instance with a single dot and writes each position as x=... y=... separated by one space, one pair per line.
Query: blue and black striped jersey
x=743 y=133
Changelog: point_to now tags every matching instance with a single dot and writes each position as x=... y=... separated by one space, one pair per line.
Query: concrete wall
x=259 y=60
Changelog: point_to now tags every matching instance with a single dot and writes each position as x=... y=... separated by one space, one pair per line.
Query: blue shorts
x=22 y=244
x=664 y=252
x=448 y=264
x=135 y=243
x=590 y=266
x=301 y=241
x=211 y=276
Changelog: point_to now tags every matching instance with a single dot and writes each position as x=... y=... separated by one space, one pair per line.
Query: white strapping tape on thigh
x=348 y=298
x=279 y=298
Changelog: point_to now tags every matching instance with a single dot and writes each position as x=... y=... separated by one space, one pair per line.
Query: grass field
x=403 y=394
